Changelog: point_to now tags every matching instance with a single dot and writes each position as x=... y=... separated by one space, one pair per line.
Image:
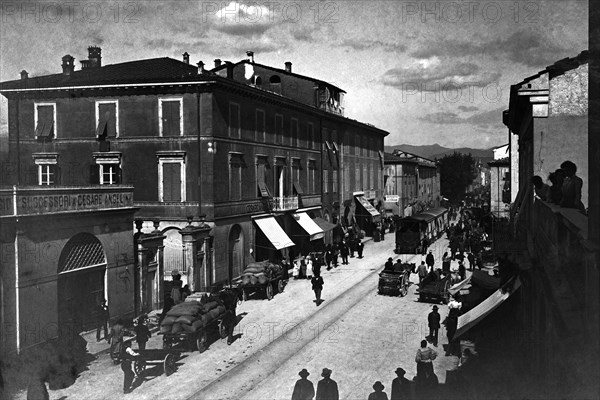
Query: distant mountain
x=433 y=151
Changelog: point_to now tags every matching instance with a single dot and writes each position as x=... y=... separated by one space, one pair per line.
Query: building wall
x=39 y=242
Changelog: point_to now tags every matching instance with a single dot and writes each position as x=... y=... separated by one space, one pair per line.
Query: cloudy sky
x=427 y=72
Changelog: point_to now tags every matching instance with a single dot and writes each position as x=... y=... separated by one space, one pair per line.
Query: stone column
x=149 y=259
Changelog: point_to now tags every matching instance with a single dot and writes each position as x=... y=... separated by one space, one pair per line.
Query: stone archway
x=235 y=252
x=81 y=282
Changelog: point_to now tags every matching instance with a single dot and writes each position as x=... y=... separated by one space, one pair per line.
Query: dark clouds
x=439 y=76
x=527 y=47
x=364 y=44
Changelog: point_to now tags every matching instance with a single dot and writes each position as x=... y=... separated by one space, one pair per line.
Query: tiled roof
x=389 y=157
x=281 y=71
x=141 y=71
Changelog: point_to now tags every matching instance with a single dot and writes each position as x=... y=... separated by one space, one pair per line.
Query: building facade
x=555 y=249
x=410 y=180
x=250 y=161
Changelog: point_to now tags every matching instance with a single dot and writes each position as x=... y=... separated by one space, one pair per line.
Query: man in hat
x=378 y=394
x=304 y=389
x=176 y=287
x=433 y=320
x=327 y=388
x=142 y=332
x=359 y=248
x=129 y=376
x=400 y=386
x=430 y=260
x=389 y=265
x=422 y=271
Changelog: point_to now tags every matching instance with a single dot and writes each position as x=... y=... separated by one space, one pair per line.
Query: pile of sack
x=260 y=273
x=191 y=315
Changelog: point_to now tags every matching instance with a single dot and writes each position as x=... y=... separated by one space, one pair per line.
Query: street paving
x=362 y=336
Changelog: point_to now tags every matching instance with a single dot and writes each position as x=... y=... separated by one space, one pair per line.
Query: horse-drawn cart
x=395 y=281
x=263 y=277
x=435 y=287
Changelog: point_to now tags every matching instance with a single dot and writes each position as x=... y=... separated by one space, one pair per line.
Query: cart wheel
x=201 y=343
x=169 y=364
x=280 y=286
x=269 y=290
x=244 y=295
x=139 y=366
x=223 y=330
x=166 y=344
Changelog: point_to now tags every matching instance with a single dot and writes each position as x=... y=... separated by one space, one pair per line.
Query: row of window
x=170 y=118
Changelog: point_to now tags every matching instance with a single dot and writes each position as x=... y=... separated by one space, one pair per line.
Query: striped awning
x=306 y=222
x=273 y=231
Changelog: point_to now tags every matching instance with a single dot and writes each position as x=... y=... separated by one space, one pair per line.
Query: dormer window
x=275 y=83
x=44 y=120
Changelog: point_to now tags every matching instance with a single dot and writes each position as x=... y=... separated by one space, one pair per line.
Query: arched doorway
x=81 y=275
x=236 y=252
x=173 y=252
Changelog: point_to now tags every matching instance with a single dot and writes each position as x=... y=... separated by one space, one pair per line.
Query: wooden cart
x=273 y=282
x=395 y=282
x=436 y=290
x=167 y=358
x=199 y=339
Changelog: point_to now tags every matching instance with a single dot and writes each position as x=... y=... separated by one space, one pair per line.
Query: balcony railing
x=284 y=203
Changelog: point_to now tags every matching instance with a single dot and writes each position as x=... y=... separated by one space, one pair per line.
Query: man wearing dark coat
x=344 y=252
x=400 y=386
x=359 y=248
x=304 y=389
x=429 y=260
x=327 y=388
x=433 y=320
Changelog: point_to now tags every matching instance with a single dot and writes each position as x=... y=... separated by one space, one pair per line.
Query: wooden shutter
x=107 y=115
x=171 y=182
x=94 y=174
x=171 y=118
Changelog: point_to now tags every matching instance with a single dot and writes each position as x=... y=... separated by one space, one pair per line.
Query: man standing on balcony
x=571 y=187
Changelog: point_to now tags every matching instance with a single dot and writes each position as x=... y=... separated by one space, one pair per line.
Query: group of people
x=565 y=188
x=327 y=388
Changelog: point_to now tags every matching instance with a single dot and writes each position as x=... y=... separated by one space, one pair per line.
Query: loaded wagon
x=395 y=281
x=263 y=277
x=435 y=287
x=191 y=322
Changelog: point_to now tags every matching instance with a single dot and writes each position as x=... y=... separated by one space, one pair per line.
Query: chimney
x=250 y=54
x=229 y=69
x=200 y=67
x=67 y=65
x=288 y=66
x=186 y=58
x=217 y=62
x=24 y=74
x=94 y=57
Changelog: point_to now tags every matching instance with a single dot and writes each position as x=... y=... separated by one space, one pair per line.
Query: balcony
x=286 y=203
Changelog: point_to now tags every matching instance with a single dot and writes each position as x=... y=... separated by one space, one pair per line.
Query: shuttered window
x=107 y=120
x=260 y=126
x=171 y=181
x=278 y=129
x=234 y=120
x=45 y=121
x=171 y=117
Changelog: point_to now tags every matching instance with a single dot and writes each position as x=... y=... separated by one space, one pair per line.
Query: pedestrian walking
x=296 y=270
x=471 y=258
x=303 y=389
x=327 y=388
x=230 y=320
x=359 y=248
x=127 y=366
x=446 y=260
x=424 y=359
x=344 y=252
x=328 y=256
x=424 y=246
x=400 y=386
x=302 y=268
x=142 y=333
x=176 y=286
x=317 y=286
x=352 y=246
x=102 y=314
x=117 y=332
x=430 y=260
x=378 y=394
x=422 y=270
x=336 y=253
x=309 y=267
x=462 y=271
x=433 y=319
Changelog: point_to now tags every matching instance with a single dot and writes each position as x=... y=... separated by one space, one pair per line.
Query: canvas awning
x=325 y=226
x=472 y=317
x=306 y=222
x=273 y=231
x=367 y=206
x=460 y=285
